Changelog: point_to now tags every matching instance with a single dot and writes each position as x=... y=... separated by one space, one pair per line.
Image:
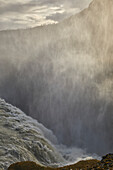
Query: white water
x=62 y=76
x=24 y=139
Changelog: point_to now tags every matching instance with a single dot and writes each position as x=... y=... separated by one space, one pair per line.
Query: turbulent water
x=24 y=139
x=62 y=76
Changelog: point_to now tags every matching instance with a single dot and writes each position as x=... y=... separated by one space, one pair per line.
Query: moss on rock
x=105 y=163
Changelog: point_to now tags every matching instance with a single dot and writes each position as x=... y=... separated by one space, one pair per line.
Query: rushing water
x=62 y=76
x=24 y=139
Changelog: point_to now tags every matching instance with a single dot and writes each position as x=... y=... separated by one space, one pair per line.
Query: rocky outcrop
x=105 y=163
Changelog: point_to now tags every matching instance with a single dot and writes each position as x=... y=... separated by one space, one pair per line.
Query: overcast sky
x=30 y=13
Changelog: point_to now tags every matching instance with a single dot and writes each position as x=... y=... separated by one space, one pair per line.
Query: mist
x=61 y=75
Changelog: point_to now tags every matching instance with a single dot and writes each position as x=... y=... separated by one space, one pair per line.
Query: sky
x=15 y=14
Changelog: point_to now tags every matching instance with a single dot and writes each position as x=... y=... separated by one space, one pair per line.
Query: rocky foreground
x=105 y=163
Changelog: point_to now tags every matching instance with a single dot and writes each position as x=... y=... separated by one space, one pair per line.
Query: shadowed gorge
x=62 y=75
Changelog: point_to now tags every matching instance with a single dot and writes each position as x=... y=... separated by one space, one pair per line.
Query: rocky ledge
x=106 y=163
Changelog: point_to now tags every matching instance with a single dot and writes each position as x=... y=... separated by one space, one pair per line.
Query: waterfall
x=61 y=75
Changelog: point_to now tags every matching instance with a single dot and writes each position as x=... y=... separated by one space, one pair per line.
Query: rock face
x=22 y=139
x=62 y=75
x=105 y=163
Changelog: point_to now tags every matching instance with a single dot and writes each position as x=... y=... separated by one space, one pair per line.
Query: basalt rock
x=105 y=164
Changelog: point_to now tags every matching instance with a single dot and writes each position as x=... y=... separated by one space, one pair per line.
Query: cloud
x=30 y=13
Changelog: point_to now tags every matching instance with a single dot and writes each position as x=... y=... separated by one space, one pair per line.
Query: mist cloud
x=62 y=75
